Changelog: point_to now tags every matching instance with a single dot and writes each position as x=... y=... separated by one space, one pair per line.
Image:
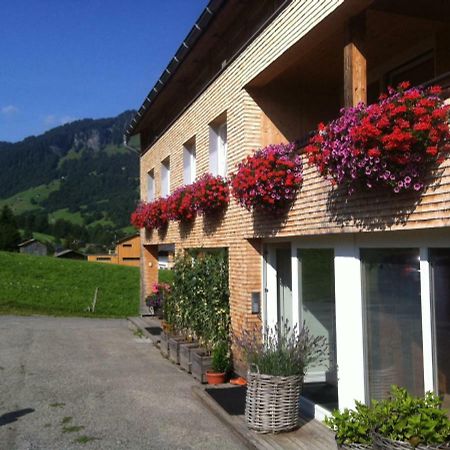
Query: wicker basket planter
x=186 y=349
x=383 y=443
x=354 y=446
x=272 y=402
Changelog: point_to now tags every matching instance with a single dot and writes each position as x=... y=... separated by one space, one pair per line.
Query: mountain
x=79 y=173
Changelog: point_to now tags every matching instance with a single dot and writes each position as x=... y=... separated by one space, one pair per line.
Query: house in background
x=127 y=253
x=371 y=272
x=70 y=254
x=33 y=247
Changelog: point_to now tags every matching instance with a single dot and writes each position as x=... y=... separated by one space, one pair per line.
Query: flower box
x=164 y=344
x=269 y=179
x=201 y=362
x=174 y=348
x=185 y=352
x=393 y=144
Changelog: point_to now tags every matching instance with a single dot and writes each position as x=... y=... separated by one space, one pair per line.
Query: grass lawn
x=165 y=276
x=51 y=286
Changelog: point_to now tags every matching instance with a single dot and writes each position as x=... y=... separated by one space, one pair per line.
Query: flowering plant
x=159 y=292
x=393 y=143
x=151 y=215
x=212 y=193
x=269 y=179
x=206 y=195
x=182 y=204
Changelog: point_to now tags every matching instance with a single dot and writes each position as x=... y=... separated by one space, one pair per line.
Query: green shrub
x=199 y=302
x=401 y=417
x=221 y=358
x=352 y=426
x=417 y=420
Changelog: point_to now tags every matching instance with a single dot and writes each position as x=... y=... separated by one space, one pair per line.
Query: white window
x=218 y=149
x=189 y=165
x=165 y=177
x=151 y=185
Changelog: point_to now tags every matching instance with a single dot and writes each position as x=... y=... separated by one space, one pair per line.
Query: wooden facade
x=126 y=253
x=302 y=64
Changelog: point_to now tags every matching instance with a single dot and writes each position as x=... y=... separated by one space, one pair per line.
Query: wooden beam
x=442 y=51
x=436 y=10
x=355 y=76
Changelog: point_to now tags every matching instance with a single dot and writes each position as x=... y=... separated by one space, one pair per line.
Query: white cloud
x=66 y=119
x=50 y=120
x=53 y=120
x=9 y=110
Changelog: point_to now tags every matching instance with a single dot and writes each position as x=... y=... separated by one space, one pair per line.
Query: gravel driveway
x=69 y=383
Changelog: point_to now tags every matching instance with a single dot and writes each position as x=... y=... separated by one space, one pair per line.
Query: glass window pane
x=284 y=286
x=440 y=272
x=393 y=319
x=316 y=278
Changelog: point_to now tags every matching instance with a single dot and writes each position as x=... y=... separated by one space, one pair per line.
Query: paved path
x=92 y=384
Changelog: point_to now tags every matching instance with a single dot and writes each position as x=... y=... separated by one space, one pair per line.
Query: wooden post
x=355 y=76
x=355 y=65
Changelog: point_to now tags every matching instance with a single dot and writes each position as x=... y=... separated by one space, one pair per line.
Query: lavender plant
x=282 y=350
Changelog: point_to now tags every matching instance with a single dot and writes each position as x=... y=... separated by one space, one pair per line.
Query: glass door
x=393 y=320
x=440 y=289
x=284 y=287
x=318 y=311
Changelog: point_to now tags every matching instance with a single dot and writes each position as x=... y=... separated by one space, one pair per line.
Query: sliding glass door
x=393 y=320
x=440 y=289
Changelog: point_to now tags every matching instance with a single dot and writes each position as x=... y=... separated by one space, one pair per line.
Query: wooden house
x=33 y=247
x=369 y=272
x=127 y=253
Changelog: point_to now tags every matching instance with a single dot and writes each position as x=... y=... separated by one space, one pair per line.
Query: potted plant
x=353 y=427
x=220 y=364
x=400 y=422
x=407 y=422
x=155 y=301
x=277 y=359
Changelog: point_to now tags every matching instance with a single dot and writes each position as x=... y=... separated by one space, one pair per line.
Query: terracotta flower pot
x=215 y=377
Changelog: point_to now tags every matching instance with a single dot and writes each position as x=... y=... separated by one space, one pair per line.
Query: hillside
x=79 y=172
x=51 y=286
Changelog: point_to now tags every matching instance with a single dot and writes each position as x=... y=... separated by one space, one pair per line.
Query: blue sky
x=63 y=60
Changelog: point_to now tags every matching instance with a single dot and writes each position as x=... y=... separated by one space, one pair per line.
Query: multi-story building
x=369 y=272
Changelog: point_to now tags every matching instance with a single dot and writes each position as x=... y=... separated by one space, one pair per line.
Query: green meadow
x=57 y=287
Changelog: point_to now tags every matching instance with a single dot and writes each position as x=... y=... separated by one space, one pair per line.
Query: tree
x=9 y=233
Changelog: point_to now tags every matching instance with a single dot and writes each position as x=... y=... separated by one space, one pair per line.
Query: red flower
x=394 y=143
x=269 y=179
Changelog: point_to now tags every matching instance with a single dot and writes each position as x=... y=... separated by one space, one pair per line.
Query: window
x=318 y=312
x=127 y=245
x=131 y=258
x=151 y=185
x=218 y=147
x=393 y=320
x=189 y=165
x=440 y=288
x=165 y=177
